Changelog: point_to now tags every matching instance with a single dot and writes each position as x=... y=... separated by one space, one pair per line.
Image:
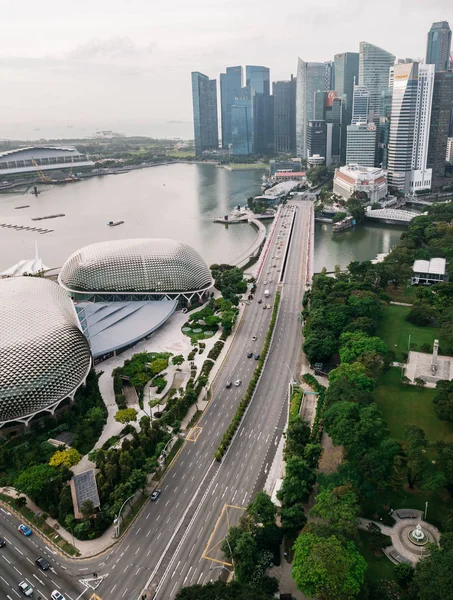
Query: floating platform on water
x=114 y=223
x=48 y=217
x=24 y=206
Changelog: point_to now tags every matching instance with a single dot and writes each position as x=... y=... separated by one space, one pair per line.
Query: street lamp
x=117 y=521
x=231 y=553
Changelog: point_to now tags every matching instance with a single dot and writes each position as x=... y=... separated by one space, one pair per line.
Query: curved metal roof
x=44 y=356
x=146 y=265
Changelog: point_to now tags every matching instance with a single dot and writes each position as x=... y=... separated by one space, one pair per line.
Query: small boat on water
x=114 y=223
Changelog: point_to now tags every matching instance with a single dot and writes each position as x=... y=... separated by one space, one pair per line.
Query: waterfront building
x=230 y=86
x=449 y=155
x=310 y=79
x=40 y=159
x=361 y=144
x=438 y=46
x=259 y=78
x=440 y=124
x=346 y=67
x=287 y=166
x=354 y=178
x=360 y=104
x=242 y=127
x=44 y=355
x=204 y=99
x=412 y=95
x=316 y=140
x=374 y=67
x=429 y=272
x=284 y=93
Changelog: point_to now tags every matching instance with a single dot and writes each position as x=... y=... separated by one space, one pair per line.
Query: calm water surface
x=178 y=201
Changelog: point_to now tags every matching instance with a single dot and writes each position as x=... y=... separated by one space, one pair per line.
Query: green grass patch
x=394 y=329
x=402 y=293
x=207 y=331
x=379 y=566
x=404 y=405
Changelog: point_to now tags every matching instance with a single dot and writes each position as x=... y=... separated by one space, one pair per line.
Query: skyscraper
x=439 y=44
x=374 y=67
x=412 y=95
x=242 y=122
x=440 y=124
x=259 y=78
x=204 y=99
x=230 y=86
x=360 y=104
x=285 y=115
x=310 y=79
x=329 y=107
x=361 y=144
x=346 y=66
x=263 y=124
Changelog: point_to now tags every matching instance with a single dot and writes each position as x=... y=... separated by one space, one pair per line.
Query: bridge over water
x=391 y=215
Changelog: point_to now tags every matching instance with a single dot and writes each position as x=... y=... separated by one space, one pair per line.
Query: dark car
x=155 y=495
x=2 y=542
x=259 y=301
x=257 y=356
x=249 y=355
x=42 y=563
x=228 y=385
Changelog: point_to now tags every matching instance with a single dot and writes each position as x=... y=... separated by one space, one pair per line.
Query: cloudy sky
x=125 y=65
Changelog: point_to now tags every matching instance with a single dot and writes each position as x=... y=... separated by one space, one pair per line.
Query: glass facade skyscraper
x=374 y=68
x=439 y=44
x=440 y=124
x=230 y=86
x=204 y=99
x=360 y=104
x=311 y=78
x=242 y=128
x=259 y=78
x=346 y=67
x=285 y=115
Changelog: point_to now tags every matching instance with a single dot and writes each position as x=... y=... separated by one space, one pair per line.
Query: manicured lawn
x=199 y=332
x=395 y=331
x=404 y=405
x=379 y=567
x=402 y=293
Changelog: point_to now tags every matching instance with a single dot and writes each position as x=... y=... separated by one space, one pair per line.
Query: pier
x=25 y=228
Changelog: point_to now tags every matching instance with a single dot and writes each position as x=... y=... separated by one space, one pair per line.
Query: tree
x=297 y=437
x=34 y=480
x=355 y=373
x=443 y=400
x=293 y=518
x=326 y=569
x=298 y=481
x=320 y=346
x=355 y=345
x=356 y=427
x=220 y=590
x=126 y=415
x=87 y=509
x=419 y=382
x=262 y=509
x=420 y=468
x=339 y=508
x=356 y=209
x=177 y=360
x=433 y=578
x=404 y=573
x=68 y=458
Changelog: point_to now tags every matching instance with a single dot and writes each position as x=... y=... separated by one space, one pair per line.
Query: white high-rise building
x=311 y=78
x=360 y=104
x=412 y=95
x=361 y=144
x=449 y=156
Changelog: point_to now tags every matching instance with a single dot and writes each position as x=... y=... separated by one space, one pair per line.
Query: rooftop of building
x=434 y=266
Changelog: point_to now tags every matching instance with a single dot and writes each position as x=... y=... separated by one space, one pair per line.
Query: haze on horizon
x=126 y=66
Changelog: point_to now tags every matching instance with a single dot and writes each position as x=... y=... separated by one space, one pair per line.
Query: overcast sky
x=125 y=65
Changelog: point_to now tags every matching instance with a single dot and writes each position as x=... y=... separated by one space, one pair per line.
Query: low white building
x=428 y=272
x=354 y=178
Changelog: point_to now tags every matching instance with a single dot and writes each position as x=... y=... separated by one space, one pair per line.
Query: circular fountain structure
x=417 y=536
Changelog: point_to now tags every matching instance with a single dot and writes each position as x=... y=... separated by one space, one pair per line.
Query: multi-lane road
x=164 y=549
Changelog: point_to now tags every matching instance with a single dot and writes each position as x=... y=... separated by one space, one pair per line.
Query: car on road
x=268 y=306
x=25 y=530
x=155 y=495
x=265 y=283
x=26 y=588
x=257 y=356
x=259 y=301
x=228 y=385
x=42 y=563
x=56 y=595
x=250 y=354
x=237 y=383
x=2 y=542
x=254 y=338
x=264 y=306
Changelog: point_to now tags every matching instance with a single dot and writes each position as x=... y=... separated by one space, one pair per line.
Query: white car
x=265 y=283
x=56 y=595
x=237 y=383
x=26 y=588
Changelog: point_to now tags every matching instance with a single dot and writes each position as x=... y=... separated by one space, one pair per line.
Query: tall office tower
x=204 y=99
x=384 y=128
x=259 y=78
x=263 y=124
x=440 y=125
x=317 y=140
x=361 y=144
x=284 y=115
x=329 y=75
x=449 y=155
x=242 y=122
x=346 y=67
x=374 y=66
x=310 y=79
x=230 y=86
x=330 y=108
x=439 y=44
x=410 y=121
x=360 y=104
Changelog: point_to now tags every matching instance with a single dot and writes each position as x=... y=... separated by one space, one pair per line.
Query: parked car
x=42 y=563
x=56 y=595
x=155 y=495
x=237 y=383
x=26 y=588
x=254 y=338
x=259 y=301
x=2 y=542
x=257 y=356
x=249 y=355
x=228 y=385
x=25 y=530
x=268 y=306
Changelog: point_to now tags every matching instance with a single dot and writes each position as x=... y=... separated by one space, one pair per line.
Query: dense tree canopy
x=433 y=579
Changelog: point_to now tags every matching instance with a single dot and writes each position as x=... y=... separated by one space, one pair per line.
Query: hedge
x=233 y=426
x=317 y=429
x=216 y=350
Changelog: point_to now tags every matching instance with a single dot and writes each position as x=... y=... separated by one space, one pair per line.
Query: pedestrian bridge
x=393 y=215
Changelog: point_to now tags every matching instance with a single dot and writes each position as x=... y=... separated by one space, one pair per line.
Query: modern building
x=355 y=178
x=31 y=266
x=37 y=159
x=242 y=122
x=346 y=66
x=360 y=105
x=230 y=86
x=311 y=78
x=329 y=78
x=259 y=78
x=44 y=356
x=125 y=289
x=412 y=95
x=438 y=46
x=284 y=93
x=317 y=140
x=440 y=125
x=205 y=122
x=429 y=272
x=384 y=127
x=361 y=144
x=263 y=124
x=449 y=155
x=374 y=67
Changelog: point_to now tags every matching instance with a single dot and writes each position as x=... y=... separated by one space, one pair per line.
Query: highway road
x=164 y=548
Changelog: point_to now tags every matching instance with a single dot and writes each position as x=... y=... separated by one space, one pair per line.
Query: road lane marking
x=4 y=558
x=179 y=562
x=18 y=550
